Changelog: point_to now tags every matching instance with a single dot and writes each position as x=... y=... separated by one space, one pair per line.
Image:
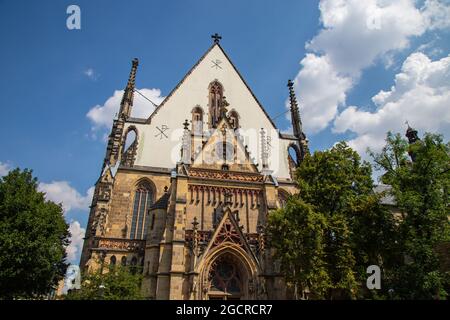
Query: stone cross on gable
x=216 y=37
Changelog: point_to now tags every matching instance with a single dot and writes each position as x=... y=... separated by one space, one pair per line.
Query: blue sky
x=52 y=76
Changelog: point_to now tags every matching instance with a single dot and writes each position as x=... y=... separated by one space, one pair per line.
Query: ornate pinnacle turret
x=115 y=142
x=263 y=149
x=297 y=123
x=127 y=99
x=295 y=114
x=186 y=144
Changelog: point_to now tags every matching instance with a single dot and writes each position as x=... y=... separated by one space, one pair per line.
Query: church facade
x=185 y=194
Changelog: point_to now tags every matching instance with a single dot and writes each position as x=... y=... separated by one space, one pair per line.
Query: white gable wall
x=156 y=152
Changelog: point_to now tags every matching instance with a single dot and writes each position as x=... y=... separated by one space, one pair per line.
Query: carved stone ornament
x=121 y=244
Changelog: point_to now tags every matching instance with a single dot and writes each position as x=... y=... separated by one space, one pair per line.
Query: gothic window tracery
x=143 y=199
x=112 y=262
x=197 y=120
x=133 y=265
x=215 y=98
x=282 y=198
x=225 y=277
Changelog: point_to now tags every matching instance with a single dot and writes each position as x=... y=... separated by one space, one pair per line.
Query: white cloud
x=102 y=116
x=437 y=14
x=91 y=74
x=321 y=89
x=62 y=192
x=356 y=32
x=354 y=35
x=73 y=250
x=421 y=95
x=4 y=169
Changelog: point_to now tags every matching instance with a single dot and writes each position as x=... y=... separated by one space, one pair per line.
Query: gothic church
x=185 y=194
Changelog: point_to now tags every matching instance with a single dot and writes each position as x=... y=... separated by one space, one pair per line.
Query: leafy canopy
x=334 y=228
x=421 y=189
x=119 y=283
x=33 y=237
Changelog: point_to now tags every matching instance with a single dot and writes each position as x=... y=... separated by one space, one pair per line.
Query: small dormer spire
x=264 y=154
x=186 y=144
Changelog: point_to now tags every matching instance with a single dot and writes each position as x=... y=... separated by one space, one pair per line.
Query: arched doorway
x=225 y=279
x=228 y=278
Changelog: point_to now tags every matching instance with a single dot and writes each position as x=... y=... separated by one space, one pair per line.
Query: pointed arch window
x=294 y=154
x=133 y=265
x=215 y=97
x=283 y=197
x=112 y=262
x=130 y=147
x=143 y=199
x=197 y=120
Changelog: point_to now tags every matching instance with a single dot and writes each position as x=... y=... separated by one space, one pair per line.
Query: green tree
x=421 y=189
x=33 y=236
x=334 y=228
x=297 y=235
x=119 y=283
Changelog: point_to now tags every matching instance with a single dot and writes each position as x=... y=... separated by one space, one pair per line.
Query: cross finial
x=216 y=37
x=407 y=123
x=290 y=83
x=186 y=124
x=195 y=223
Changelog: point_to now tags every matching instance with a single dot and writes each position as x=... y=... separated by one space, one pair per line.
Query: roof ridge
x=180 y=82
x=192 y=69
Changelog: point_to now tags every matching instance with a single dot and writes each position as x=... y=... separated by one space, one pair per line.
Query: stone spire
x=295 y=114
x=127 y=99
x=115 y=141
x=297 y=124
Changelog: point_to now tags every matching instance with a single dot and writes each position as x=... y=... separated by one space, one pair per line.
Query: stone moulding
x=225 y=175
x=114 y=244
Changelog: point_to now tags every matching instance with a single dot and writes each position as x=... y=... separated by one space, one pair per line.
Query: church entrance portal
x=227 y=278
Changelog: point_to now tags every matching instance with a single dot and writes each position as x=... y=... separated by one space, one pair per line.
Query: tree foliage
x=33 y=237
x=119 y=283
x=329 y=233
x=421 y=189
